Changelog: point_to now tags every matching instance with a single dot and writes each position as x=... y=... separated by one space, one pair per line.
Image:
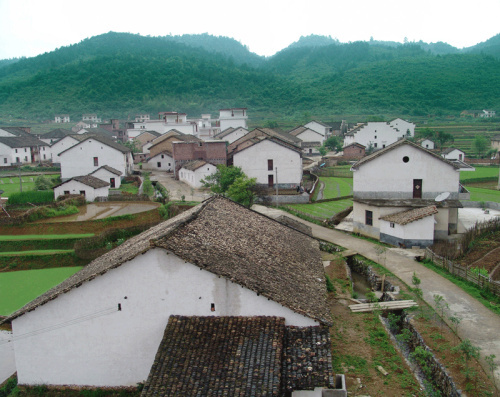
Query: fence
x=464 y=272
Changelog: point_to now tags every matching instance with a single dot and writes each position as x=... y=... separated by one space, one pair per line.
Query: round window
x=406 y=159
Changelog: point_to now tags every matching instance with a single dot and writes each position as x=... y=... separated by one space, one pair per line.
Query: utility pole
x=20 y=179
x=277 y=203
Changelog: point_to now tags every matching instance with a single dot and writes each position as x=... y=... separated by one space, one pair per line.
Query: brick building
x=213 y=152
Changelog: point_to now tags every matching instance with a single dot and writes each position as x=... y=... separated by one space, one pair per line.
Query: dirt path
x=478 y=323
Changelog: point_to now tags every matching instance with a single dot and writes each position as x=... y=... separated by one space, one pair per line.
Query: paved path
x=177 y=189
x=478 y=324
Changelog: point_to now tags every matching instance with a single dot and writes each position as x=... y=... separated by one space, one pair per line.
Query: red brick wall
x=211 y=152
x=354 y=152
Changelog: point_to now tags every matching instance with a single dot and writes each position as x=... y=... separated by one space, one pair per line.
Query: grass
x=323 y=210
x=480 y=172
x=482 y=296
x=14 y=187
x=128 y=188
x=21 y=287
x=482 y=194
x=336 y=187
x=36 y=252
x=45 y=236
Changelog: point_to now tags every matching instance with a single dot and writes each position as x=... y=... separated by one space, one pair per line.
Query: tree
x=443 y=137
x=333 y=143
x=223 y=178
x=322 y=150
x=43 y=183
x=480 y=144
x=147 y=186
x=133 y=146
x=243 y=190
x=427 y=133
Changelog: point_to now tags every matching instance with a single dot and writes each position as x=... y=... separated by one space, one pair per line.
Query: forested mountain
x=119 y=74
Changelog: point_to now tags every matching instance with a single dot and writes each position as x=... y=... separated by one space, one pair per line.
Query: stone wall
x=373 y=278
x=480 y=204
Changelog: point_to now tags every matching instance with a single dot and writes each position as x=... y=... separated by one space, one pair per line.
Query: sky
x=32 y=27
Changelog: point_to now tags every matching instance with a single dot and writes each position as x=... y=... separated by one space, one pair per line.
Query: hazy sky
x=31 y=27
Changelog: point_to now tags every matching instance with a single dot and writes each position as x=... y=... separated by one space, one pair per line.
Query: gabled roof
x=405 y=217
x=319 y=122
x=258 y=139
x=16 y=131
x=154 y=133
x=260 y=254
x=98 y=131
x=58 y=133
x=193 y=165
x=88 y=180
x=450 y=149
x=167 y=152
x=103 y=140
x=299 y=130
x=397 y=144
x=356 y=144
x=224 y=133
x=239 y=356
x=21 y=141
x=108 y=168
x=256 y=135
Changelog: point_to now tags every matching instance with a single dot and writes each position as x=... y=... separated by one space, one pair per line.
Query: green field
x=44 y=236
x=19 y=288
x=481 y=194
x=480 y=172
x=14 y=187
x=336 y=187
x=322 y=210
x=35 y=252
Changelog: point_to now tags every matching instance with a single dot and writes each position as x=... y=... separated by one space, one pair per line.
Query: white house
x=231 y=134
x=55 y=135
x=323 y=129
x=488 y=113
x=22 y=150
x=402 y=177
x=142 y=117
x=62 y=118
x=307 y=135
x=194 y=171
x=233 y=117
x=452 y=153
x=87 y=185
x=62 y=144
x=378 y=135
x=428 y=144
x=91 y=118
x=162 y=161
x=166 y=121
x=270 y=160
x=93 y=152
x=105 y=325
x=108 y=174
x=403 y=126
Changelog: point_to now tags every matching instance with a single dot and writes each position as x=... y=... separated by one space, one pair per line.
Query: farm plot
x=322 y=210
x=336 y=187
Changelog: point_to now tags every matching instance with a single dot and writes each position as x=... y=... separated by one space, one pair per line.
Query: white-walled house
x=163 y=161
x=62 y=118
x=233 y=117
x=323 y=129
x=93 y=152
x=110 y=175
x=402 y=177
x=453 y=154
x=378 y=135
x=428 y=144
x=231 y=134
x=270 y=160
x=307 y=135
x=193 y=172
x=22 y=150
x=404 y=126
x=87 y=185
x=104 y=325
x=62 y=144
x=55 y=135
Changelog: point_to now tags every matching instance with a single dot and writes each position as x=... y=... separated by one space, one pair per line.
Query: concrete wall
x=166 y=163
x=479 y=204
x=75 y=187
x=193 y=178
x=79 y=160
x=7 y=360
x=254 y=163
x=389 y=177
x=106 y=176
x=118 y=348
x=60 y=146
x=418 y=233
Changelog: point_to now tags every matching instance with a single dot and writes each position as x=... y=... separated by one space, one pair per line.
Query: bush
x=33 y=197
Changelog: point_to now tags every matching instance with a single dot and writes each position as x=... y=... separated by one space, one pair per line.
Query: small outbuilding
x=193 y=172
x=87 y=185
x=108 y=174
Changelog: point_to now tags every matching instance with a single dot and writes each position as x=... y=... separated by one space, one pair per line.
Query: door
x=112 y=182
x=417 y=188
x=270 y=180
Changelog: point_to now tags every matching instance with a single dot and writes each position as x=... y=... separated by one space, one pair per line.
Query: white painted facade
x=7 y=361
x=62 y=118
x=235 y=118
x=160 y=162
x=319 y=128
x=375 y=134
x=193 y=178
x=60 y=146
x=9 y=156
x=403 y=126
x=428 y=144
x=162 y=127
x=115 y=181
x=310 y=136
x=455 y=154
x=420 y=230
x=90 y=154
x=235 y=135
x=255 y=163
x=118 y=348
x=75 y=187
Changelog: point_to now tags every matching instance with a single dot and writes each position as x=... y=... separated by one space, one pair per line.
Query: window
x=406 y=159
x=66 y=192
x=5 y=160
x=25 y=158
x=16 y=150
x=269 y=165
x=212 y=307
x=158 y=164
x=162 y=156
x=375 y=144
x=369 y=218
x=391 y=225
x=375 y=136
x=169 y=164
x=82 y=192
x=44 y=156
x=96 y=161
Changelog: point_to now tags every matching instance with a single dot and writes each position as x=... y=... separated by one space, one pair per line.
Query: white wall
x=106 y=176
x=79 y=160
x=193 y=178
x=422 y=229
x=6 y=152
x=253 y=162
x=454 y=155
x=428 y=144
x=166 y=163
x=7 y=360
x=235 y=135
x=378 y=134
x=60 y=146
x=315 y=126
x=233 y=118
x=75 y=187
x=388 y=176
x=161 y=127
x=310 y=136
x=118 y=349
x=403 y=126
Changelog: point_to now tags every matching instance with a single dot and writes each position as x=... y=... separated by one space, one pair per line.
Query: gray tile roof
x=405 y=217
x=17 y=131
x=224 y=133
x=58 y=133
x=193 y=165
x=108 y=168
x=88 y=180
x=261 y=254
x=22 y=141
x=410 y=203
x=101 y=139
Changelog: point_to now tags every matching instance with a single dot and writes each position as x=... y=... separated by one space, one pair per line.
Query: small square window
x=392 y=225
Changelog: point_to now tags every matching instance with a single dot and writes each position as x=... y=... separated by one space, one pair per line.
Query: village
x=232 y=299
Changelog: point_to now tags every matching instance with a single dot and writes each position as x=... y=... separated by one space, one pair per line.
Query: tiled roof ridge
x=409 y=216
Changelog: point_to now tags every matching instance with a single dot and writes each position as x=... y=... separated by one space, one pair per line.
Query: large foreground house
x=407 y=195
x=218 y=300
